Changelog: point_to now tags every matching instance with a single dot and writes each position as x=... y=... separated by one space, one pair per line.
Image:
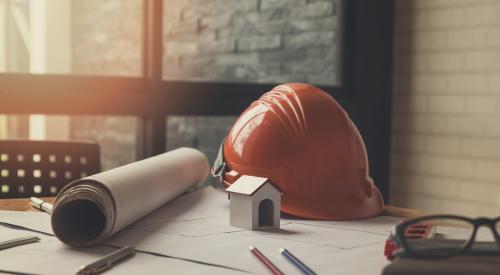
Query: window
x=77 y=38
x=250 y=42
x=254 y=41
x=145 y=71
x=71 y=37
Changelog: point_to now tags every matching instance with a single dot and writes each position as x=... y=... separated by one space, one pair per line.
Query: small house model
x=254 y=203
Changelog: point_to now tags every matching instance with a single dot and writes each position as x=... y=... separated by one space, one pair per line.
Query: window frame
x=152 y=99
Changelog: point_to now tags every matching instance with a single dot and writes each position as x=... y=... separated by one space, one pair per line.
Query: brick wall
x=446 y=122
x=251 y=40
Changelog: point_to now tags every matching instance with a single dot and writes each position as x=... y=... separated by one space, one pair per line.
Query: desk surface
x=20 y=204
x=23 y=205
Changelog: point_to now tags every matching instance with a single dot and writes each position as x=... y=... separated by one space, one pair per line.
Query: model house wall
x=269 y=193
x=255 y=203
x=241 y=208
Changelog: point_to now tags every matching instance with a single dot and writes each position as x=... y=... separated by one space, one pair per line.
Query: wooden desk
x=20 y=204
x=24 y=205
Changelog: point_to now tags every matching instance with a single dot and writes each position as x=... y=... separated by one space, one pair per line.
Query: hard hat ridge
x=285 y=104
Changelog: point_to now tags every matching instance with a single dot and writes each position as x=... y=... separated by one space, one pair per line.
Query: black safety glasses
x=441 y=236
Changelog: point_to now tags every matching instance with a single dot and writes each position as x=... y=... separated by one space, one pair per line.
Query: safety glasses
x=450 y=235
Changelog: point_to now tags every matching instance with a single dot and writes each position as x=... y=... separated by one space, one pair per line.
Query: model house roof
x=248 y=185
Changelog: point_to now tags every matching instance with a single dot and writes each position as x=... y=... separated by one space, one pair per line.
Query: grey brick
x=184 y=26
x=254 y=43
x=277 y=21
x=216 y=21
x=269 y=4
x=180 y=48
x=316 y=9
x=115 y=135
x=232 y=5
x=204 y=132
x=308 y=39
x=173 y=60
x=194 y=36
x=218 y=46
x=325 y=53
x=283 y=78
x=314 y=24
x=177 y=72
x=107 y=37
x=238 y=30
x=237 y=58
x=283 y=55
x=204 y=60
x=309 y=67
x=330 y=77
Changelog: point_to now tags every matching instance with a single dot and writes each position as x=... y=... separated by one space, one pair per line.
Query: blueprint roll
x=90 y=210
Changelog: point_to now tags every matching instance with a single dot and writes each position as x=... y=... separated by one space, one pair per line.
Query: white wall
x=446 y=119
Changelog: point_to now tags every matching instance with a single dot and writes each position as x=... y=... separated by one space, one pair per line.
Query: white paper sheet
x=32 y=220
x=196 y=226
x=50 y=256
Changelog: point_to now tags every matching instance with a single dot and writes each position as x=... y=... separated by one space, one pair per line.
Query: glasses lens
x=438 y=237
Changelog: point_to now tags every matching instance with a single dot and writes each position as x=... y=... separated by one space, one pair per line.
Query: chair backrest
x=41 y=168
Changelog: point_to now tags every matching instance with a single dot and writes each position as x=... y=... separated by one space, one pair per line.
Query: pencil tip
x=251 y=247
x=282 y=250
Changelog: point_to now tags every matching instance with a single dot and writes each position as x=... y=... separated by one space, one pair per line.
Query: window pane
x=80 y=37
x=114 y=134
x=107 y=37
x=73 y=37
x=202 y=132
x=265 y=41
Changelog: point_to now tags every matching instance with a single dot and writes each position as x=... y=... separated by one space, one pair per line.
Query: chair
x=41 y=168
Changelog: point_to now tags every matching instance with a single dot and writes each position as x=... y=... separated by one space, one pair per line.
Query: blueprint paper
x=50 y=256
x=37 y=221
x=196 y=226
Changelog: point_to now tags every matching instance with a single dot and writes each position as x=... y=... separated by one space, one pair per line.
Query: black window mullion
x=151 y=130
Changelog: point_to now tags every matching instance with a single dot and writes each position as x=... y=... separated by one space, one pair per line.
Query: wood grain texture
x=402 y=212
x=24 y=205
x=20 y=204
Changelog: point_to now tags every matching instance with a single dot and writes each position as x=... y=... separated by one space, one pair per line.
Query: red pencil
x=265 y=261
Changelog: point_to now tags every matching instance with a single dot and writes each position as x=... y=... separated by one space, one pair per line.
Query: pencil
x=41 y=205
x=265 y=261
x=296 y=262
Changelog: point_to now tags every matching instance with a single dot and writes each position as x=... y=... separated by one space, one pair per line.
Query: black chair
x=41 y=168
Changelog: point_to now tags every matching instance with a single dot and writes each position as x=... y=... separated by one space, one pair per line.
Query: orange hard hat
x=300 y=138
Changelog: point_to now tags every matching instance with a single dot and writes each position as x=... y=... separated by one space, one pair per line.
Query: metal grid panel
x=42 y=168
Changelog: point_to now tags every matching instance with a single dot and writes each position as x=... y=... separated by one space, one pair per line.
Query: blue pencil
x=296 y=262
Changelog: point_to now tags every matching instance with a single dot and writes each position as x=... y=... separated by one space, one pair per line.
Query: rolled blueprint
x=90 y=210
